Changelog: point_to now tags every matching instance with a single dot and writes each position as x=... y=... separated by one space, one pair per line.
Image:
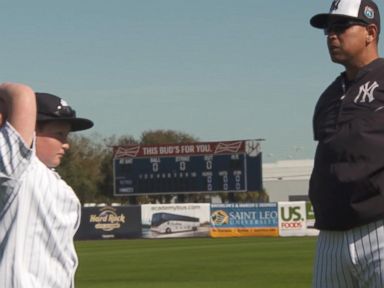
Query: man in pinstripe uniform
x=347 y=182
x=39 y=212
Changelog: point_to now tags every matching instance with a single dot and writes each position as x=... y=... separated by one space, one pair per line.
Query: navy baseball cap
x=365 y=11
x=53 y=108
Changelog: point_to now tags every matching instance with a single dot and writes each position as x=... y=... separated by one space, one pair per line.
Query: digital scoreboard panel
x=227 y=166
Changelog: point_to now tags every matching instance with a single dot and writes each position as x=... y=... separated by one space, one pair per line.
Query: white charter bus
x=169 y=223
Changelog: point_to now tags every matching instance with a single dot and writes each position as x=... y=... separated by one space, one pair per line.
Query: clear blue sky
x=215 y=69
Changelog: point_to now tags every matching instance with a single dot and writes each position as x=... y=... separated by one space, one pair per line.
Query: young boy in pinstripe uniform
x=39 y=212
x=347 y=182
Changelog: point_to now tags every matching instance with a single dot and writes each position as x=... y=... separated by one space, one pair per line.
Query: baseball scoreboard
x=227 y=166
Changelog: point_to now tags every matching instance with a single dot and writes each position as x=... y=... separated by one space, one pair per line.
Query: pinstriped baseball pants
x=352 y=258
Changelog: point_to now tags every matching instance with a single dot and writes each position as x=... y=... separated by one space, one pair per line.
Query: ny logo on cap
x=63 y=103
x=369 y=12
x=335 y=5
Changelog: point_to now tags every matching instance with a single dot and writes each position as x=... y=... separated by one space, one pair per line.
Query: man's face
x=52 y=142
x=346 y=41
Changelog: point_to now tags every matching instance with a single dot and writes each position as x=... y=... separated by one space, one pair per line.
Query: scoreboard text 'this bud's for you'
x=227 y=166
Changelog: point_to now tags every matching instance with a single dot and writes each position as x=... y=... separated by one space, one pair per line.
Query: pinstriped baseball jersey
x=352 y=258
x=39 y=215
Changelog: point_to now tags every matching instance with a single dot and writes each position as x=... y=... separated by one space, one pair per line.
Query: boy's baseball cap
x=365 y=11
x=53 y=108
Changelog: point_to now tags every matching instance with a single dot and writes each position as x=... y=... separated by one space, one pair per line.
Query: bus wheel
x=168 y=230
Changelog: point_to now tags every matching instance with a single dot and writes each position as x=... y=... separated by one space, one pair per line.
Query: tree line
x=88 y=168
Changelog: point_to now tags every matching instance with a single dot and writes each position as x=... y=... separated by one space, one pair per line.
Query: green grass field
x=196 y=263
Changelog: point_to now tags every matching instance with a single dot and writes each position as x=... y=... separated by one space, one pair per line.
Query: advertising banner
x=109 y=222
x=175 y=220
x=292 y=218
x=243 y=220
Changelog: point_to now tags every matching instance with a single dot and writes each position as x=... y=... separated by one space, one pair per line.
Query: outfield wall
x=197 y=220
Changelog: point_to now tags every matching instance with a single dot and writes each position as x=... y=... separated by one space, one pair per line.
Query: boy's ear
x=3 y=112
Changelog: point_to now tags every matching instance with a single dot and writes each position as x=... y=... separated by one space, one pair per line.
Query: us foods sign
x=292 y=218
